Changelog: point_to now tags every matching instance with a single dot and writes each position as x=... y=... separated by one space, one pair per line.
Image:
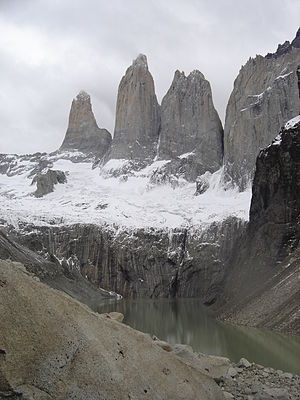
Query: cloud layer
x=51 y=49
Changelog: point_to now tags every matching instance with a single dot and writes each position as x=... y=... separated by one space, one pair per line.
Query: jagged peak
x=83 y=96
x=196 y=74
x=286 y=46
x=141 y=60
x=178 y=74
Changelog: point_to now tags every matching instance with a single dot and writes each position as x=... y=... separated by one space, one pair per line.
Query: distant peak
x=141 y=60
x=83 y=96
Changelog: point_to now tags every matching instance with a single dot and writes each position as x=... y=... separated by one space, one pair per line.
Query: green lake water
x=187 y=321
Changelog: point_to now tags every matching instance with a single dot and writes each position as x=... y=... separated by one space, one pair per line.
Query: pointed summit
x=141 y=60
x=190 y=123
x=137 y=114
x=83 y=133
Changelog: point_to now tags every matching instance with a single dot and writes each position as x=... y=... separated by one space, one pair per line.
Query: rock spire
x=83 y=133
x=190 y=123
x=137 y=114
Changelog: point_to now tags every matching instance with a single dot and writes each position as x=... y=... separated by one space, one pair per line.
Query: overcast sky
x=51 y=49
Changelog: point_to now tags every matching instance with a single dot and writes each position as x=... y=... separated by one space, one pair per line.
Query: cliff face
x=137 y=114
x=83 y=133
x=144 y=263
x=264 y=97
x=263 y=286
x=63 y=276
x=190 y=123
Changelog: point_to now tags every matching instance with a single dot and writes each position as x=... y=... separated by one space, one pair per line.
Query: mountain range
x=161 y=207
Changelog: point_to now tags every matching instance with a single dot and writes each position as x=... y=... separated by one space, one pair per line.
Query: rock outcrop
x=53 y=347
x=265 y=96
x=83 y=133
x=137 y=115
x=262 y=289
x=190 y=123
x=45 y=181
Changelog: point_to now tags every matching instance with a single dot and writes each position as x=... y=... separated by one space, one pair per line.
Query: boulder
x=244 y=363
x=45 y=181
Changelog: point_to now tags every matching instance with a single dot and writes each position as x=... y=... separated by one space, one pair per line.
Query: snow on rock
x=91 y=196
x=292 y=122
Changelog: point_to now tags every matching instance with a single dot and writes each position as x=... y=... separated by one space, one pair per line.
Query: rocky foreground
x=53 y=347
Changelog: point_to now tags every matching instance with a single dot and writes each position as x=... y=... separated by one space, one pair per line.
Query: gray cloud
x=50 y=49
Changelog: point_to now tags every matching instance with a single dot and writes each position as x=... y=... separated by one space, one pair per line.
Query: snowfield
x=93 y=196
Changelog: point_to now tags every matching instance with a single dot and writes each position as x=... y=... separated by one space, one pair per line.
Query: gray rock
x=232 y=372
x=202 y=184
x=137 y=115
x=164 y=345
x=244 y=363
x=271 y=394
x=227 y=395
x=190 y=123
x=265 y=96
x=45 y=182
x=116 y=316
x=83 y=133
x=287 y=375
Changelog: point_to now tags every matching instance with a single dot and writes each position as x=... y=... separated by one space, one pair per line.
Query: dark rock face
x=146 y=264
x=265 y=96
x=276 y=186
x=262 y=288
x=137 y=115
x=188 y=168
x=83 y=133
x=190 y=123
x=45 y=182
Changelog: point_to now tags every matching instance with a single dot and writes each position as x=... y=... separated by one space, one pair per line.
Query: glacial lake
x=187 y=321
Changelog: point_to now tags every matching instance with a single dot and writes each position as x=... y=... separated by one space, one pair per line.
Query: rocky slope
x=137 y=115
x=190 y=123
x=83 y=133
x=264 y=97
x=54 y=347
x=60 y=274
x=262 y=288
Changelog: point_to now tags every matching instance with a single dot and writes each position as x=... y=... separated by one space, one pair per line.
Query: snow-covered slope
x=96 y=196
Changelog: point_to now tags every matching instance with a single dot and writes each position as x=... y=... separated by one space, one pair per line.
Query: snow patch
x=187 y=155
x=292 y=122
x=91 y=197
